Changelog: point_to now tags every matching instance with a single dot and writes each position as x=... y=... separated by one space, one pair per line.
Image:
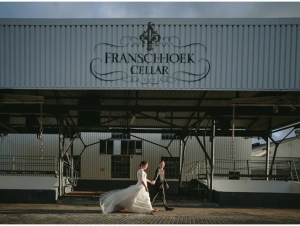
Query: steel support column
x=275 y=151
x=60 y=159
x=204 y=148
x=267 y=157
x=181 y=161
x=212 y=157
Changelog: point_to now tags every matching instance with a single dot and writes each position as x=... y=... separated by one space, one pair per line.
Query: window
x=169 y=136
x=120 y=136
x=171 y=167
x=120 y=166
x=138 y=147
x=131 y=147
x=106 y=147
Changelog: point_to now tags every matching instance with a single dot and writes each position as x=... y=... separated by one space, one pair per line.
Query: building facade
x=68 y=66
x=115 y=165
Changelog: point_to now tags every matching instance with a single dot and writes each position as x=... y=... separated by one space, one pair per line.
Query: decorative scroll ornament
x=195 y=77
x=124 y=42
x=151 y=67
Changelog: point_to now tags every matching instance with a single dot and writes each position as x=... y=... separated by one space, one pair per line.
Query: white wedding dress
x=134 y=198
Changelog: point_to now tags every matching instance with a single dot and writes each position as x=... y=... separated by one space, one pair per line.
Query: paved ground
x=70 y=212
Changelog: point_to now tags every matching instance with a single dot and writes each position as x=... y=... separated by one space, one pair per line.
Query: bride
x=135 y=198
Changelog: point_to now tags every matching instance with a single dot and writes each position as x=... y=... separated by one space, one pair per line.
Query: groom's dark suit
x=159 y=187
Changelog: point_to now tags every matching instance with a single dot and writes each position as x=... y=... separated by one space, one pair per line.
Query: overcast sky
x=155 y=9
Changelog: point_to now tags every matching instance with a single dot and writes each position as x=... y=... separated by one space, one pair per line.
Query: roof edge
x=143 y=21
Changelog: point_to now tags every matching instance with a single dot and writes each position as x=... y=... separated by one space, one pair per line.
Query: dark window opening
x=131 y=147
x=120 y=136
x=169 y=136
x=120 y=166
x=106 y=147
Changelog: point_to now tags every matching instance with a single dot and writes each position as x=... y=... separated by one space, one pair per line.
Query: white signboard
x=150 y=57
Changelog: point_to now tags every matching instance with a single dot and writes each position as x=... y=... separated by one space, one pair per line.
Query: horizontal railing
x=70 y=174
x=235 y=169
x=28 y=165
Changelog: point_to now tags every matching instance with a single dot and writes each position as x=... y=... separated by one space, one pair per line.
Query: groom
x=159 y=183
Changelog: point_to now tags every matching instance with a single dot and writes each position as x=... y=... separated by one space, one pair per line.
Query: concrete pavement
x=76 y=211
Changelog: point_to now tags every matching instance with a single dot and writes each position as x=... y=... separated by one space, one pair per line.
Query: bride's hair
x=143 y=163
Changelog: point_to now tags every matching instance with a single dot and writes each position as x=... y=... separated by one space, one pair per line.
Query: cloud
x=47 y=10
x=148 y=9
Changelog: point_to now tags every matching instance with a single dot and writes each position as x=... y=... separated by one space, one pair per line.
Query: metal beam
x=52 y=129
x=204 y=150
x=7 y=128
x=209 y=110
x=212 y=157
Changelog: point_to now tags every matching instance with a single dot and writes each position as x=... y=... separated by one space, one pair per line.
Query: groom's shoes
x=169 y=208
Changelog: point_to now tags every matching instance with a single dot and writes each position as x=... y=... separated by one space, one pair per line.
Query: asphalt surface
x=83 y=211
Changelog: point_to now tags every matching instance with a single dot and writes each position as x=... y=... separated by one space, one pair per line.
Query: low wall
x=257 y=193
x=256 y=186
x=28 y=189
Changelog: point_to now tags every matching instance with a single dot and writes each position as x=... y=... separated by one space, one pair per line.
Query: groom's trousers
x=159 y=190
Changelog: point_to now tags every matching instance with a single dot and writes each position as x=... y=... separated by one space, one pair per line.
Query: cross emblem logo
x=150 y=36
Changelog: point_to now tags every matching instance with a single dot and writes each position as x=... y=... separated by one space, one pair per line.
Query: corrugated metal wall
x=286 y=149
x=243 y=54
x=22 y=152
x=223 y=161
x=290 y=149
x=97 y=166
x=91 y=160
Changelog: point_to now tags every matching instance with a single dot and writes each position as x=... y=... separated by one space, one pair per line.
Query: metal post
x=182 y=151
x=180 y=164
x=275 y=151
x=212 y=157
x=60 y=159
x=290 y=163
x=248 y=167
x=72 y=161
x=267 y=157
x=14 y=164
x=59 y=168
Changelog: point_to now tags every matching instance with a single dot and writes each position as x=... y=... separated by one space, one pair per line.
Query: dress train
x=134 y=198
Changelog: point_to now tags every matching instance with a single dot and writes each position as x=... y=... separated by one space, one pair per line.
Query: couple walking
x=136 y=197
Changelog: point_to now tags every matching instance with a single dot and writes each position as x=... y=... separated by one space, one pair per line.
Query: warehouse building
x=83 y=101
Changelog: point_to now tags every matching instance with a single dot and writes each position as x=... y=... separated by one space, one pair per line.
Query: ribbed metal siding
x=92 y=161
x=93 y=165
x=134 y=166
x=253 y=57
x=223 y=161
x=153 y=153
x=97 y=166
x=22 y=152
x=288 y=149
x=242 y=56
x=29 y=145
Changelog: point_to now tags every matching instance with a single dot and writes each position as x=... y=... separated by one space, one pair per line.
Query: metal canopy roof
x=179 y=112
x=47 y=77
